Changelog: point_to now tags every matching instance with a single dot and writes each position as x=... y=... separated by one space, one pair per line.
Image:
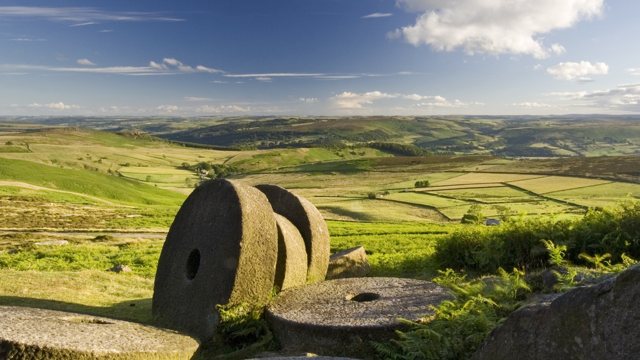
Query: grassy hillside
x=87 y=182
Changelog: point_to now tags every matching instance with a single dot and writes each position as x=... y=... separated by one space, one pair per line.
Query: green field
x=77 y=202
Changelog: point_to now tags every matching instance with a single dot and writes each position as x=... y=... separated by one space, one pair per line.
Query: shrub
x=422 y=183
x=473 y=216
x=519 y=243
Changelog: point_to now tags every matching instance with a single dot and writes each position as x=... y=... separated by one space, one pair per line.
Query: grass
x=551 y=184
x=481 y=178
x=92 y=292
x=86 y=182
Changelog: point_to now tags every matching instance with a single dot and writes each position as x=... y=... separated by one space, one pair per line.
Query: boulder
x=348 y=263
x=592 y=322
x=220 y=250
x=120 y=268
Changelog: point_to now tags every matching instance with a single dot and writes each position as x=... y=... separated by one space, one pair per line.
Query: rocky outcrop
x=595 y=322
x=348 y=263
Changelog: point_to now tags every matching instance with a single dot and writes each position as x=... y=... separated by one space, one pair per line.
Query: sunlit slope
x=86 y=182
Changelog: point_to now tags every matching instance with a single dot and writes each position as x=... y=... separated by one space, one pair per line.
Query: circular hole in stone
x=364 y=297
x=193 y=263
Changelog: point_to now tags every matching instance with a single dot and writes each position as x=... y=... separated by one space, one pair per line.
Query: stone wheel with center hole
x=28 y=333
x=221 y=249
x=341 y=317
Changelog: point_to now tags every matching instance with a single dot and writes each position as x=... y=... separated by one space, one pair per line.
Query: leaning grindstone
x=341 y=317
x=221 y=249
x=291 y=270
x=309 y=222
x=27 y=333
x=348 y=263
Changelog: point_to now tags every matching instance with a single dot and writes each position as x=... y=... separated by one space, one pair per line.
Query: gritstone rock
x=341 y=317
x=593 y=322
x=309 y=222
x=291 y=269
x=348 y=263
x=120 y=268
x=221 y=249
x=27 y=333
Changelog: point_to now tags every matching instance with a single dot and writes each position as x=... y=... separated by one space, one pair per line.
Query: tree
x=473 y=216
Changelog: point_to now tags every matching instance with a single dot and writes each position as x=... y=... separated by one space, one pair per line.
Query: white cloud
x=54 y=106
x=355 y=101
x=169 y=66
x=531 y=105
x=168 y=108
x=577 y=70
x=223 y=109
x=202 y=68
x=85 y=62
x=81 y=15
x=493 y=27
x=272 y=75
x=351 y=100
x=625 y=98
x=376 y=15
x=308 y=100
x=84 y=24
x=264 y=78
x=557 y=49
x=196 y=99
x=634 y=71
x=27 y=39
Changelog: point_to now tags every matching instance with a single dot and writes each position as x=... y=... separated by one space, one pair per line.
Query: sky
x=319 y=57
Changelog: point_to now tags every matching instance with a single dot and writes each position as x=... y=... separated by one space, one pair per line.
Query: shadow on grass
x=138 y=310
x=340 y=211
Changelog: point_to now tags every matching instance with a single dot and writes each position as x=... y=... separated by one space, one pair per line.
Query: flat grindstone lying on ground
x=28 y=333
x=341 y=317
x=221 y=249
x=291 y=269
x=309 y=222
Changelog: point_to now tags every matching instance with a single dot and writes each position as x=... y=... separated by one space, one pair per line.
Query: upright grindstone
x=309 y=222
x=221 y=249
x=291 y=270
x=27 y=333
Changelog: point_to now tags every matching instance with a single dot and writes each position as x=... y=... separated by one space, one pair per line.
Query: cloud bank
x=494 y=27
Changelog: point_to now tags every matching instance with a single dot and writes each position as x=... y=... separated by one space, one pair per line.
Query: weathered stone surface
x=348 y=263
x=311 y=356
x=291 y=269
x=309 y=222
x=594 y=322
x=340 y=317
x=27 y=333
x=221 y=249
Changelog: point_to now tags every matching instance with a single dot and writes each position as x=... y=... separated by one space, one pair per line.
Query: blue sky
x=319 y=57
